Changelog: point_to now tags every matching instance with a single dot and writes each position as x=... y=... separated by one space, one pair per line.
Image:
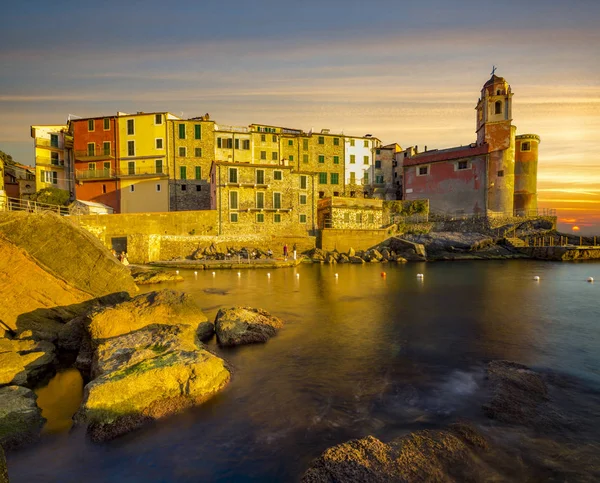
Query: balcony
x=95 y=155
x=142 y=171
x=47 y=143
x=45 y=161
x=94 y=174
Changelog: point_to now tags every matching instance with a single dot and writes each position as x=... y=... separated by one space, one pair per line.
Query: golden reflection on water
x=60 y=399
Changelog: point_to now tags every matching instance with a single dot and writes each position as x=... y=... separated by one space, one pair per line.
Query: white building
x=359 y=163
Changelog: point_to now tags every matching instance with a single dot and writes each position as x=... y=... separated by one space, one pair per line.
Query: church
x=494 y=176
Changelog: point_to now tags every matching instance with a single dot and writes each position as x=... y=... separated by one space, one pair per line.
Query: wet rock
x=245 y=325
x=167 y=307
x=458 y=454
x=401 y=260
x=148 y=374
x=317 y=255
x=376 y=255
x=343 y=258
x=25 y=361
x=330 y=258
x=351 y=252
x=404 y=248
x=3 y=468
x=146 y=277
x=355 y=260
x=20 y=418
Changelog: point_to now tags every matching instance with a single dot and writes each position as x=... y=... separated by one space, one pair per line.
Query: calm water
x=358 y=355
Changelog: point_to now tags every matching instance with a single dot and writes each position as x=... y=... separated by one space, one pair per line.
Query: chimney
x=425 y=147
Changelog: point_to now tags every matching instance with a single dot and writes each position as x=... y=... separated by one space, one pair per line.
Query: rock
x=439 y=244
x=351 y=252
x=401 y=260
x=385 y=253
x=148 y=374
x=71 y=334
x=457 y=454
x=25 y=362
x=317 y=255
x=245 y=325
x=3 y=468
x=167 y=307
x=518 y=393
x=343 y=258
x=406 y=248
x=330 y=258
x=355 y=260
x=20 y=418
x=147 y=277
x=376 y=255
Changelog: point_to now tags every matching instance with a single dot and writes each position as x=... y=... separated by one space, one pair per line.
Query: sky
x=406 y=72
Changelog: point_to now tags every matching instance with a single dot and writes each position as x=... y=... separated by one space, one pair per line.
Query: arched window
x=498 y=92
x=498 y=107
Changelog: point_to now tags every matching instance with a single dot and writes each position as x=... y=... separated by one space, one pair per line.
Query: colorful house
x=359 y=165
x=53 y=162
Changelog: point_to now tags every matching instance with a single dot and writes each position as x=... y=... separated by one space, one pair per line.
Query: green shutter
x=197 y=131
x=182 y=172
x=182 y=131
x=198 y=172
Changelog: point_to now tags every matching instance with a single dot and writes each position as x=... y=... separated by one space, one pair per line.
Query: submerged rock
x=20 y=418
x=142 y=276
x=245 y=325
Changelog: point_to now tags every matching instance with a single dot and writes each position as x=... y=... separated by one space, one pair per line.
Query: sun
x=575 y=228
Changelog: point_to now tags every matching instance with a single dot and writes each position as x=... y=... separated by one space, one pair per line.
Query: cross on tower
x=493 y=69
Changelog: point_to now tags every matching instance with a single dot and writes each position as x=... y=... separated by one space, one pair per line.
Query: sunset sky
x=406 y=72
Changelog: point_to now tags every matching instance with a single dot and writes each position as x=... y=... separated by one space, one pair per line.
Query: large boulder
x=25 y=362
x=458 y=454
x=166 y=307
x=148 y=374
x=404 y=248
x=20 y=418
x=144 y=276
x=440 y=244
x=245 y=325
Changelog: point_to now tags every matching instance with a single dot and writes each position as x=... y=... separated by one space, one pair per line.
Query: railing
x=441 y=216
x=224 y=127
x=97 y=153
x=47 y=143
x=94 y=173
x=16 y=204
x=49 y=161
x=143 y=171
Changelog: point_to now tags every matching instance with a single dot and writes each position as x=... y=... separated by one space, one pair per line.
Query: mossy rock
x=20 y=418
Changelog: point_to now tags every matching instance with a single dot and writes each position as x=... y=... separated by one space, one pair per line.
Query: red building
x=95 y=150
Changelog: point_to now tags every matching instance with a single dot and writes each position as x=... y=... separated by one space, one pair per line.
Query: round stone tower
x=495 y=129
x=526 y=163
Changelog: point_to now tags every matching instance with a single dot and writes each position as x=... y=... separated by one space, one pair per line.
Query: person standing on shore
x=285 y=251
x=294 y=250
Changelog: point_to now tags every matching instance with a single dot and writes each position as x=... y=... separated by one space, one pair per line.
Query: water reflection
x=60 y=400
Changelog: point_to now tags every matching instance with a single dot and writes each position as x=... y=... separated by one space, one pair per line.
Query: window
x=198 y=172
x=378 y=151
x=233 y=200
x=336 y=160
x=233 y=175
x=366 y=177
x=197 y=131
x=53 y=140
x=158 y=119
x=159 y=143
x=233 y=217
x=197 y=152
x=365 y=159
x=422 y=170
x=103 y=189
x=359 y=218
x=219 y=143
x=107 y=166
x=91 y=150
x=501 y=173
x=303 y=199
x=260 y=176
x=305 y=158
x=245 y=143
x=158 y=188
x=291 y=157
x=260 y=218
x=353 y=159
x=106 y=148
x=347 y=217
x=130 y=148
x=263 y=155
x=182 y=172
x=158 y=165
x=181 y=131
x=274 y=156
x=260 y=199
x=182 y=151
x=305 y=144
x=290 y=142
x=184 y=187
x=237 y=144
x=334 y=178
x=371 y=218
x=263 y=138
x=228 y=143
x=321 y=158
x=462 y=165
x=92 y=166
x=274 y=138
x=377 y=164
x=321 y=140
x=321 y=194
x=525 y=146
x=198 y=187
x=131 y=167
x=90 y=125
x=106 y=124
x=498 y=107
x=322 y=178
x=277 y=175
x=336 y=141
x=131 y=188
x=351 y=142
x=366 y=143
x=379 y=179
x=130 y=126
x=303 y=182
x=277 y=218
x=302 y=218
x=277 y=201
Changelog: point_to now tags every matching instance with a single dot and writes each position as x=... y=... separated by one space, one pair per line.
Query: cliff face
x=50 y=271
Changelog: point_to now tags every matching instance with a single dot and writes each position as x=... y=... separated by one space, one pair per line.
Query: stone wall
x=343 y=240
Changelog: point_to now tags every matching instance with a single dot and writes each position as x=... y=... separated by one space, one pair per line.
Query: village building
x=233 y=143
x=359 y=165
x=53 y=162
x=350 y=213
x=19 y=180
x=386 y=185
x=262 y=199
x=479 y=178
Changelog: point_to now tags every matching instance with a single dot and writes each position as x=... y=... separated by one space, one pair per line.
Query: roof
x=94 y=204
x=494 y=80
x=437 y=155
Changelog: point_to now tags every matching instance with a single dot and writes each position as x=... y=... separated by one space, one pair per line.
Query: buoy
x=195 y=273
x=590 y=279
x=383 y=274
x=214 y=273
x=268 y=275
x=537 y=278
x=419 y=275
x=239 y=274
x=177 y=272
x=336 y=275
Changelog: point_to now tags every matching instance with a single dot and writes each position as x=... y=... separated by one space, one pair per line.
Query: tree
x=52 y=196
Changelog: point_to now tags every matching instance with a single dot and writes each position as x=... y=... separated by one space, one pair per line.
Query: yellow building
x=143 y=171
x=323 y=154
x=233 y=144
x=2 y=193
x=53 y=163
